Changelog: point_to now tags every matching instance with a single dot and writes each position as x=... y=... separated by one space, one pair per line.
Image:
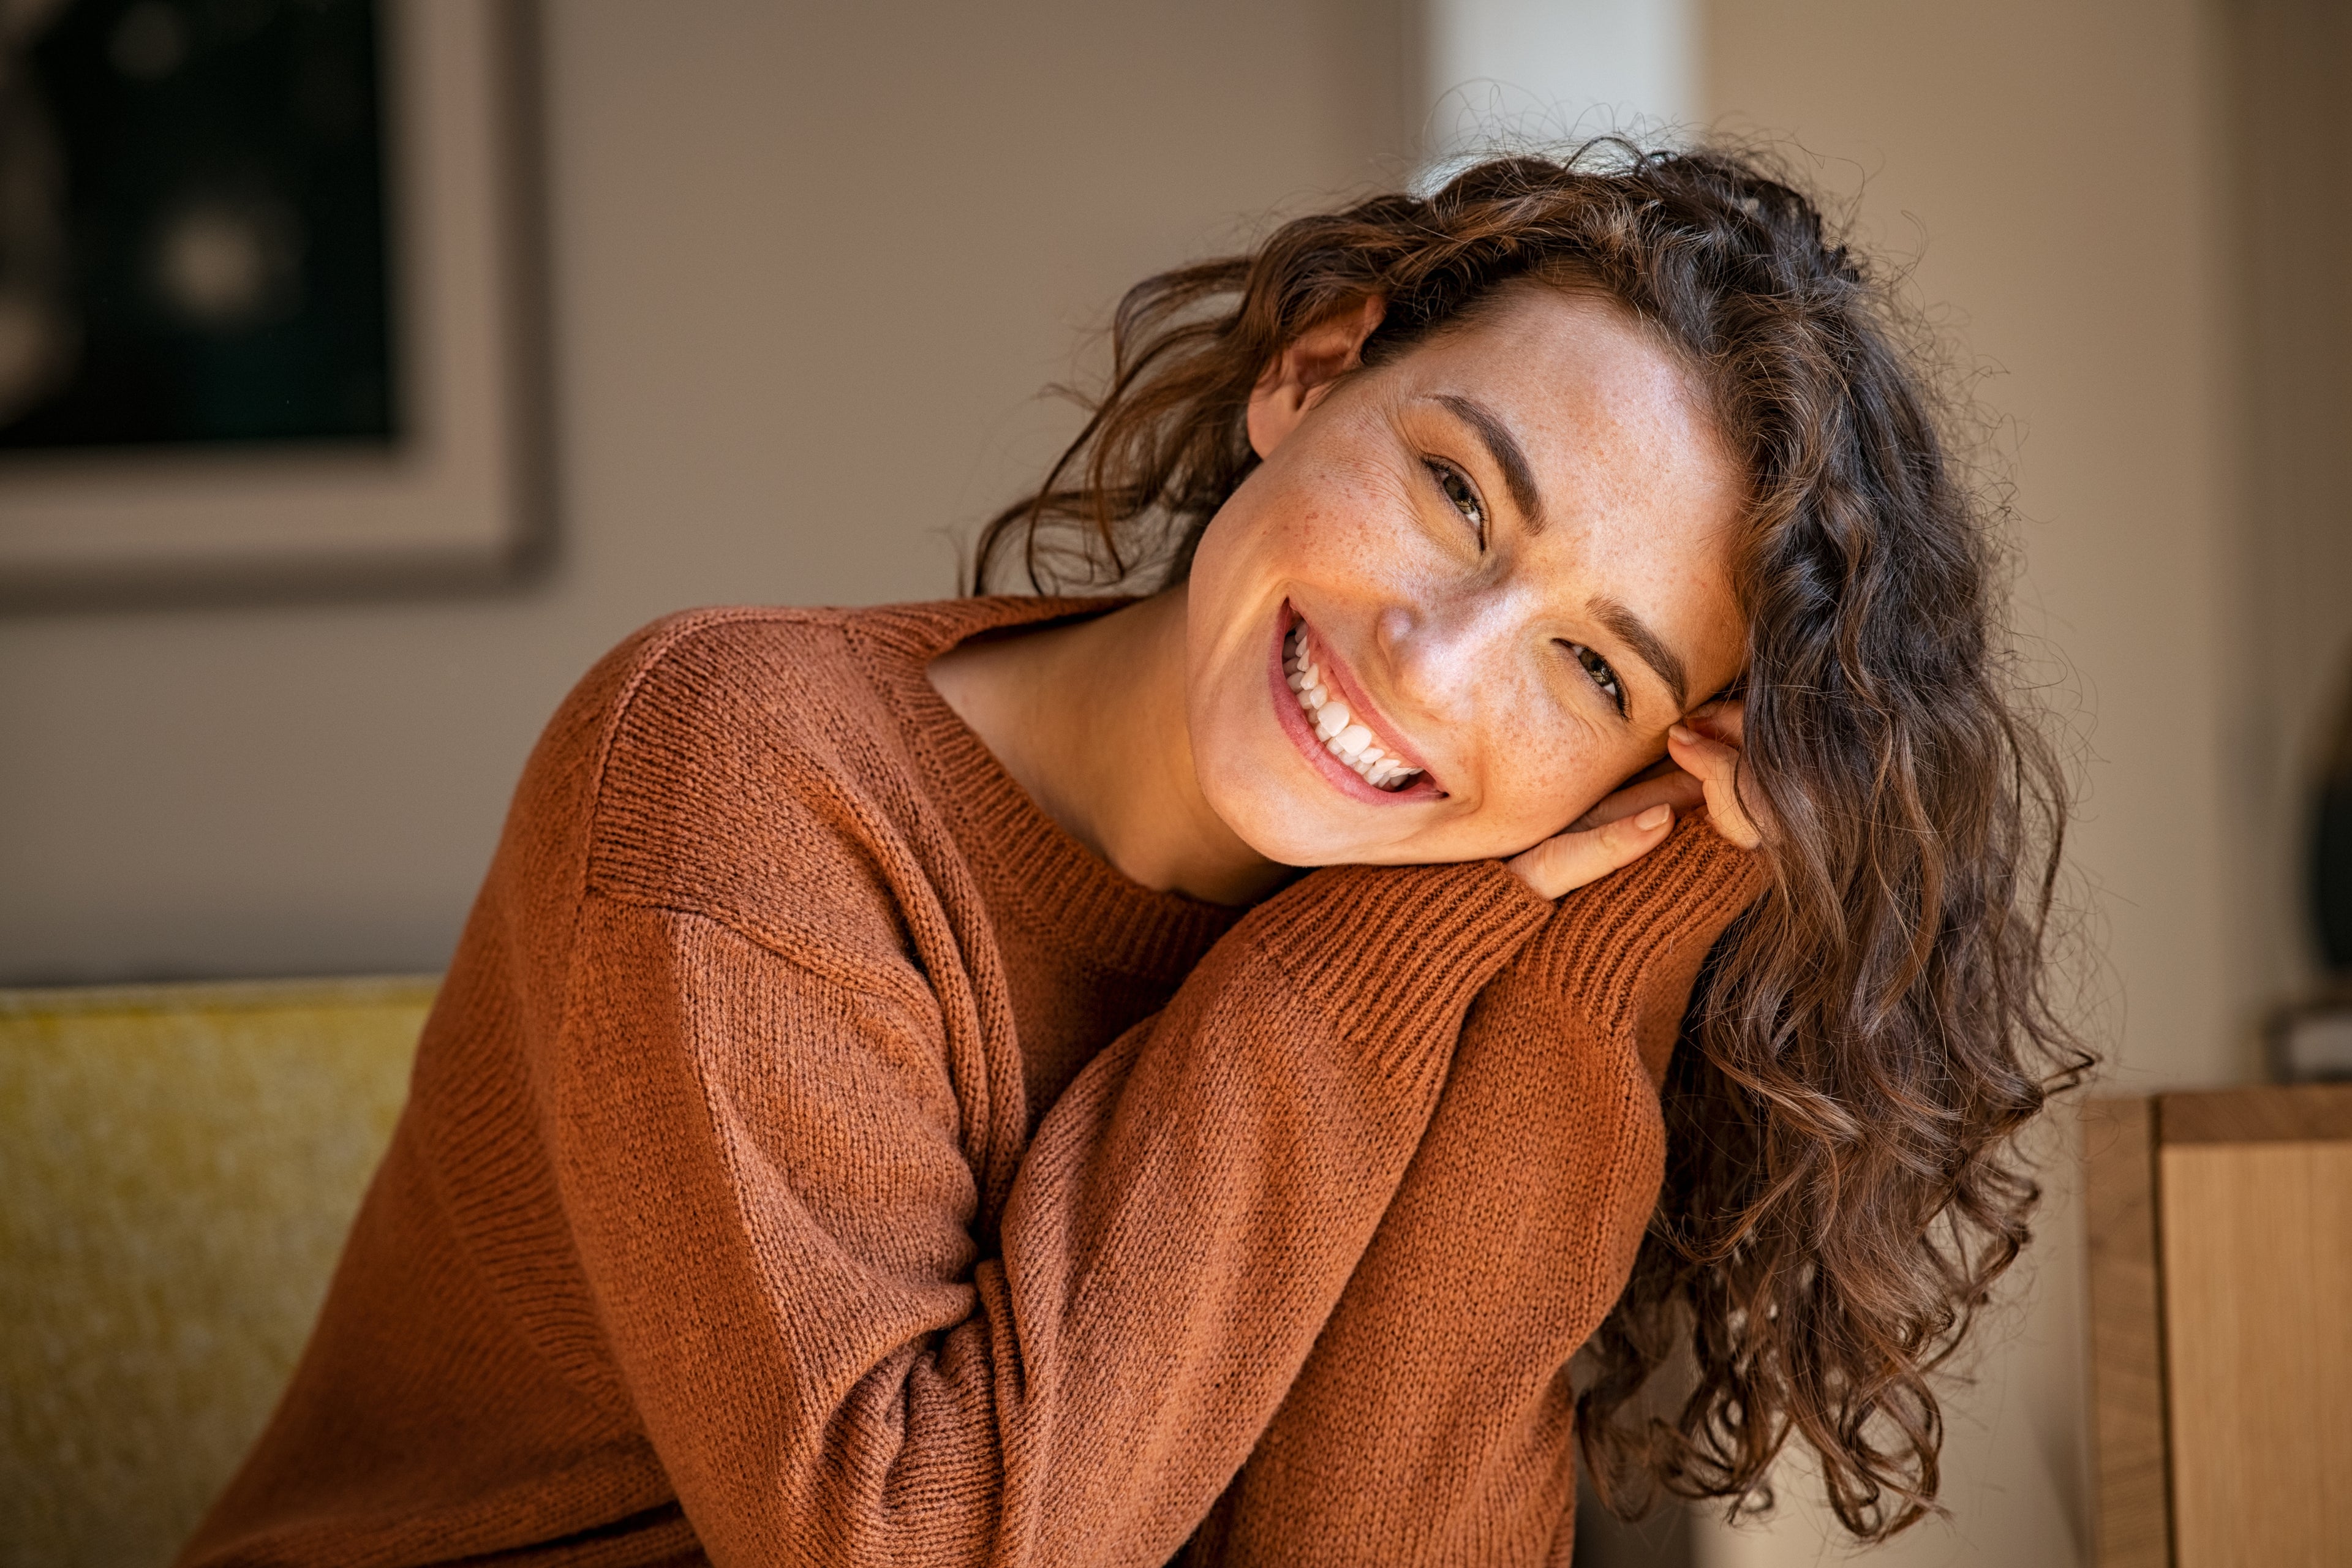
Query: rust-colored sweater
x=817 y=1156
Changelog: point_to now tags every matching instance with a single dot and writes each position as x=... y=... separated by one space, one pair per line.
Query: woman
x=902 y=1097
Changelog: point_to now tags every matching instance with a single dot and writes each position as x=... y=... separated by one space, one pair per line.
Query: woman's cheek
x=1348 y=522
x=1548 y=775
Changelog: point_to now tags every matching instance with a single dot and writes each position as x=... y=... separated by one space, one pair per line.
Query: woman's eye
x=1465 y=497
x=1603 y=676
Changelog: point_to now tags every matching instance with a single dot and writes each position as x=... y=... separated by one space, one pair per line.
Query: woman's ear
x=1306 y=369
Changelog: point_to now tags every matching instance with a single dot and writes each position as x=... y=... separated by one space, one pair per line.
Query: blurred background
x=798 y=273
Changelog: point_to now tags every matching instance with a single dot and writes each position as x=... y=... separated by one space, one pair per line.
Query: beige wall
x=810 y=265
x=2291 y=179
x=2055 y=171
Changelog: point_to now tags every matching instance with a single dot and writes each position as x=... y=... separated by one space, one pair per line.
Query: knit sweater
x=815 y=1155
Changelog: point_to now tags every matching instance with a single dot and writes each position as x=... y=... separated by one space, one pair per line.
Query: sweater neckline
x=1061 y=887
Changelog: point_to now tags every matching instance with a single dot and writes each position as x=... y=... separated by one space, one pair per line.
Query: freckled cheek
x=1342 y=531
x=1538 y=773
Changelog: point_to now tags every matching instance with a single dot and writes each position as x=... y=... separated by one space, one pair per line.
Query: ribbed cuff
x=1607 y=937
x=1389 y=954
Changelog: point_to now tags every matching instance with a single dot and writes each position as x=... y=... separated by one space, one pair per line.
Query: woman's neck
x=1089 y=718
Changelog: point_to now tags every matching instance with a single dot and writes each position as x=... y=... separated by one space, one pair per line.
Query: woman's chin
x=1275 y=824
x=1284 y=807
x=1289 y=831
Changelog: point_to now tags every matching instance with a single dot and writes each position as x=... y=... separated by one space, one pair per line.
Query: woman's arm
x=1434 y=1422
x=765 y=1166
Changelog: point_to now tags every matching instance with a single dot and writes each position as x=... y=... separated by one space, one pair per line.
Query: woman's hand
x=1707 y=747
x=1700 y=767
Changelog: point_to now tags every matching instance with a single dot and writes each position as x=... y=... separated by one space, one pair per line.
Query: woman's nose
x=1434 y=654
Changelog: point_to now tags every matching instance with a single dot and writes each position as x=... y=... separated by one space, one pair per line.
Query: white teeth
x=1350 y=742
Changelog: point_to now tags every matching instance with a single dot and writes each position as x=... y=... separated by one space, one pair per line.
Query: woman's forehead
x=1552 y=350
x=1610 y=425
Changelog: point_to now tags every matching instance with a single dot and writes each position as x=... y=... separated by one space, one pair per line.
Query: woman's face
x=1506 y=555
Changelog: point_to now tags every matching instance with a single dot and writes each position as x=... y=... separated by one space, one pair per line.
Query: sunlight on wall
x=1555 y=71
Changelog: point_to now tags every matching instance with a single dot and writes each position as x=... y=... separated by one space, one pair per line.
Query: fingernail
x=1683 y=734
x=1656 y=816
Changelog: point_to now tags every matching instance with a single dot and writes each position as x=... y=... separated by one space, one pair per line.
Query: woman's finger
x=1666 y=787
x=1567 y=861
x=1716 y=767
x=1721 y=720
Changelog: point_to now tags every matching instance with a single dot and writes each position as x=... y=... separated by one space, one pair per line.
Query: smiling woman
x=1035 y=1081
x=1496 y=546
x=1542 y=461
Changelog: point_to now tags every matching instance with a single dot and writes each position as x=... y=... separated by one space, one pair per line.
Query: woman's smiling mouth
x=1341 y=737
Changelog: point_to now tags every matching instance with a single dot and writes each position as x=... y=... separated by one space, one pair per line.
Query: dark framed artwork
x=267 y=300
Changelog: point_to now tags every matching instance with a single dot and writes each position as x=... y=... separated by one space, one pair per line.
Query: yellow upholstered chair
x=178 y=1166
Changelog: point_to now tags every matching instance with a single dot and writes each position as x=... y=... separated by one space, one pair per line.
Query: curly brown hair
x=1843 y=1182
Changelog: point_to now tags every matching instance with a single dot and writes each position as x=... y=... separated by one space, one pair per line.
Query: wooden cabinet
x=2221 y=1328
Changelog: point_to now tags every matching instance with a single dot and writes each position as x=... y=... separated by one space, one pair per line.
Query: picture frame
x=457 y=492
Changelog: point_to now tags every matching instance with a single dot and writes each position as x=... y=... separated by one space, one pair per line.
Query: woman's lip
x=1360 y=707
x=1294 y=722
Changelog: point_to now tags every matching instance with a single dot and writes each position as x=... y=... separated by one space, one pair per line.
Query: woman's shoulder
x=693 y=696
x=755 y=764
x=798 y=669
x=703 y=694
x=730 y=761
x=686 y=672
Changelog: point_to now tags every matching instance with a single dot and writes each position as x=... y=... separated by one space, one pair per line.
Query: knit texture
x=815 y=1155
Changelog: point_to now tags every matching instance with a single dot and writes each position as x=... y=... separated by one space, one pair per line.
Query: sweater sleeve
x=1434 y=1422
x=764 y=1165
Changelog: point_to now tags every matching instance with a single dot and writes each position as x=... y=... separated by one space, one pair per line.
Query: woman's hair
x=1841 y=1187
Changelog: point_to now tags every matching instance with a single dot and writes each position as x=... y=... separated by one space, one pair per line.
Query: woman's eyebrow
x=1518 y=474
x=1647 y=646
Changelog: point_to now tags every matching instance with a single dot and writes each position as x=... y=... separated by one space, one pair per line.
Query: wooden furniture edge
x=2134 y=1490
x=218 y=996
x=2306 y=1112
